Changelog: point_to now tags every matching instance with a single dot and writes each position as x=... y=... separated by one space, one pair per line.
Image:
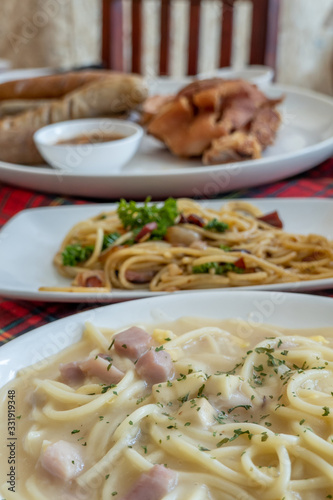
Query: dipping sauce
x=95 y=138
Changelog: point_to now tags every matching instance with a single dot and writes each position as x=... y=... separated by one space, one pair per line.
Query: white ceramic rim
x=255 y=307
x=138 y=132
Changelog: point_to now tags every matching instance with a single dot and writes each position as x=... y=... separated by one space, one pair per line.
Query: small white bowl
x=165 y=85
x=94 y=158
x=257 y=74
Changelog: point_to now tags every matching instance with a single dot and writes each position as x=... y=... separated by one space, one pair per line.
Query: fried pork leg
x=202 y=119
x=243 y=145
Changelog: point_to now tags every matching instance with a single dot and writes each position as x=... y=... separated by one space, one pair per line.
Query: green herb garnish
x=74 y=254
x=134 y=217
x=216 y=225
x=326 y=411
x=109 y=239
x=218 y=268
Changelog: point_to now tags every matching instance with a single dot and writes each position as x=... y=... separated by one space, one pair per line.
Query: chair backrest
x=264 y=32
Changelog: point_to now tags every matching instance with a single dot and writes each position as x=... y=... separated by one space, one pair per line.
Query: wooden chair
x=264 y=34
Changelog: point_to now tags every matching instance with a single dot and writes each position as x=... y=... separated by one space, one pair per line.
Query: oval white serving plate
x=304 y=140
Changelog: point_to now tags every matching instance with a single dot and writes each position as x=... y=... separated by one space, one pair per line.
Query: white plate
x=280 y=309
x=304 y=140
x=19 y=74
x=29 y=241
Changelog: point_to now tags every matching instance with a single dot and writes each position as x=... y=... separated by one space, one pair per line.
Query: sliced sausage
x=142 y=276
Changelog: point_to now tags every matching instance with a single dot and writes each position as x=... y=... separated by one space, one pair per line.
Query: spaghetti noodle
x=235 y=419
x=187 y=246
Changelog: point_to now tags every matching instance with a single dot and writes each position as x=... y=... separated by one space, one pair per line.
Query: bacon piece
x=155 y=366
x=272 y=219
x=132 y=342
x=63 y=460
x=196 y=220
x=139 y=276
x=152 y=485
x=71 y=373
x=102 y=368
x=147 y=229
x=90 y=278
x=182 y=219
x=240 y=263
x=313 y=256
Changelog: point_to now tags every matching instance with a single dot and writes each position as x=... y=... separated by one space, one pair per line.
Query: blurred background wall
x=59 y=33
x=66 y=33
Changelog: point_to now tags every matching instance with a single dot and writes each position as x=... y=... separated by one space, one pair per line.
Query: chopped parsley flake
x=135 y=217
x=217 y=268
x=216 y=226
x=326 y=411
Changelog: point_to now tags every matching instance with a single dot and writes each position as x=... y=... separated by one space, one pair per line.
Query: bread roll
x=111 y=94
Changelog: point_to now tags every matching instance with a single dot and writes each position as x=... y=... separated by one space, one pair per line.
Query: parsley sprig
x=218 y=268
x=134 y=217
x=75 y=254
x=216 y=225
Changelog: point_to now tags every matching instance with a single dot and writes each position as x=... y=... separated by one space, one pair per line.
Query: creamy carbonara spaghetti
x=182 y=245
x=187 y=411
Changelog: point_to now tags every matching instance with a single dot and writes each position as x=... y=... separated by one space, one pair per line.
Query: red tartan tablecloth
x=18 y=317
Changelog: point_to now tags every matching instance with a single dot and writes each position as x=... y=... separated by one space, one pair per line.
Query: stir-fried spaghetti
x=183 y=245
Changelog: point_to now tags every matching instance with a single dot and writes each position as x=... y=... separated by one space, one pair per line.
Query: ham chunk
x=155 y=366
x=71 y=373
x=62 y=460
x=132 y=342
x=102 y=368
x=153 y=485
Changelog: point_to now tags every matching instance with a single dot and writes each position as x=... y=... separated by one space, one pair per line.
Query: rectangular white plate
x=29 y=241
